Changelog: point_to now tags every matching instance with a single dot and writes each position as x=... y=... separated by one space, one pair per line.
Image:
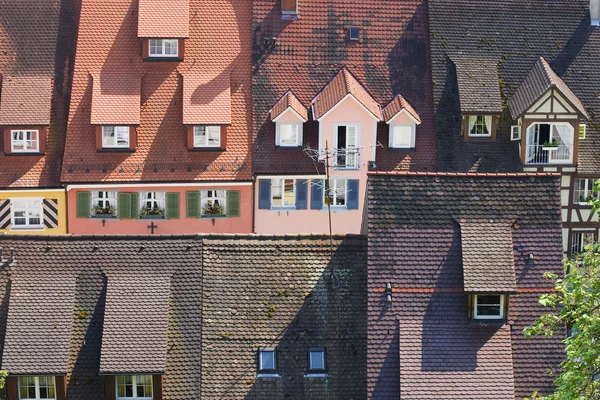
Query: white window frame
x=311 y=368
x=485 y=119
x=515 y=132
x=584 y=126
x=477 y=316
x=163 y=42
x=334 y=190
x=261 y=368
x=356 y=145
x=37 y=388
x=100 y=199
x=157 y=198
x=28 y=208
x=411 y=140
x=112 y=142
x=29 y=145
x=134 y=379
x=198 y=143
x=586 y=191
x=279 y=129
x=581 y=243
x=551 y=159
x=210 y=195
x=282 y=182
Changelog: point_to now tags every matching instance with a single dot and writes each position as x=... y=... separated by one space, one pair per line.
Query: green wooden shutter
x=83 y=205
x=172 y=200
x=124 y=205
x=192 y=204
x=233 y=203
x=135 y=205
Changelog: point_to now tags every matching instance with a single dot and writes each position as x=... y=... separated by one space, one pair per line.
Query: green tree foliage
x=575 y=305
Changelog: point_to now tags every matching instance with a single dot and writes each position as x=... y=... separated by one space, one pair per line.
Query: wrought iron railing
x=540 y=154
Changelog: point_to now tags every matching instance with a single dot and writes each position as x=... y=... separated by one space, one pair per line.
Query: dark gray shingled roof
x=478 y=85
x=487 y=256
x=136 y=314
x=515 y=33
x=39 y=321
x=424 y=346
x=537 y=82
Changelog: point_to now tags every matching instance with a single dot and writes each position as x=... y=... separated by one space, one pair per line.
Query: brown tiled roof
x=220 y=44
x=134 y=338
x=206 y=98
x=478 y=87
x=288 y=100
x=37 y=37
x=116 y=99
x=487 y=256
x=303 y=56
x=342 y=85
x=40 y=316
x=415 y=245
x=541 y=78
x=25 y=100
x=398 y=104
x=163 y=19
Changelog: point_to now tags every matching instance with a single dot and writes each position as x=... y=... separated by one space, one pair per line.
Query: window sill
x=267 y=375
x=151 y=217
x=27 y=228
x=215 y=216
x=206 y=149
x=163 y=59
x=316 y=375
x=280 y=147
x=486 y=323
x=283 y=208
x=115 y=150
x=24 y=153
x=105 y=216
x=402 y=149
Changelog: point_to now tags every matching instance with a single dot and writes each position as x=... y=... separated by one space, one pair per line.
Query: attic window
x=267 y=360
x=289 y=7
x=488 y=306
x=353 y=33
x=480 y=125
x=595 y=12
x=37 y=387
x=164 y=47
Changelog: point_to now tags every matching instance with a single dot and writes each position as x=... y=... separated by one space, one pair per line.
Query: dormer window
x=402 y=136
x=25 y=141
x=289 y=134
x=164 y=48
x=488 y=306
x=480 y=125
x=115 y=137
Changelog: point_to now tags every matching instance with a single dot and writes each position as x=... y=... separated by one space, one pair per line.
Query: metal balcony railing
x=346 y=158
x=540 y=154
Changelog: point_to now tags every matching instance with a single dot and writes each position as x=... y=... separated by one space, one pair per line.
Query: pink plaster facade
x=181 y=225
x=348 y=111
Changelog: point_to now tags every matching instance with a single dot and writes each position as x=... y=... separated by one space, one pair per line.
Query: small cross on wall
x=152 y=227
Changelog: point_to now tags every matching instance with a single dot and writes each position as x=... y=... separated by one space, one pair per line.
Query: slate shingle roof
x=220 y=36
x=38 y=41
x=487 y=256
x=478 y=85
x=25 y=100
x=227 y=295
x=516 y=34
x=305 y=54
x=163 y=19
x=536 y=83
x=415 y=244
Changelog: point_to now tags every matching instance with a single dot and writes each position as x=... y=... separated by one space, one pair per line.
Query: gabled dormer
x=163 y=26
x=479 y=96
x=289 y=116
x=116 y=111
x=25 y=105
x=402 y=121
x=548 y=116
x=348 y=117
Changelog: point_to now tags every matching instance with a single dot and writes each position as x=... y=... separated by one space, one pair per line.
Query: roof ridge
x=465 y=174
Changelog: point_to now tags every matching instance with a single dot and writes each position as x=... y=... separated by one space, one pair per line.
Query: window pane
x=340 y=192
x=317 y=359
x=199 y=136
x=289 y=134
x=276 y=192
x=214 y=135
x=401 y=136
x=289 y=192
x=27 y=387
x=267 y=360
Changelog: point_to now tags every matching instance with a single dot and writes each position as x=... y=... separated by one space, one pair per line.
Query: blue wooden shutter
x=264 y=194
x=316 y=194
x=353 y=194
x=301 y=194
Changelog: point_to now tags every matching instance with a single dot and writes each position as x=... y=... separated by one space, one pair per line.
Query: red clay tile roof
x=116 y=99
x=163 y=19
x=289 y=100
x=541 y=78
x=136 y=321
x=25 y=100
x=342 y=85
x=487 y=256
x=478 y=87
x=107 y=44
x=206 y=98
x=398 y=104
